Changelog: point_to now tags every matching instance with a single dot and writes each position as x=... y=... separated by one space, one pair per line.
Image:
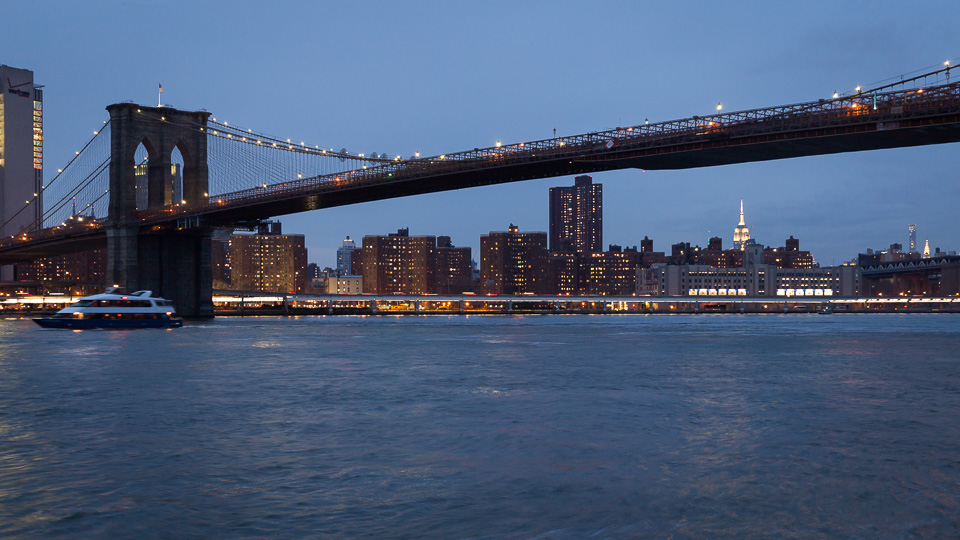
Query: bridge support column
x=123 y=257
x=510 y=306
x=178 y=266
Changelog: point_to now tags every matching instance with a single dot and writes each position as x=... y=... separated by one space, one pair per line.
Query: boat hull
x=89 y=324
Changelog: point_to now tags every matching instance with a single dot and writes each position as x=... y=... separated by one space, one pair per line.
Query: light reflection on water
x=538 y=426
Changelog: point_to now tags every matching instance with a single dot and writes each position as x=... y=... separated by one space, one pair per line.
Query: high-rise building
x=345 y=257
x=576 y=216
x=454 y=271
x=912 y=230
x=741 y=234
x=21 y=155
x=268 y=261
x=512 y=262
x=220 y=258
x=398 y=263
x=611 y=272
x=926 y=248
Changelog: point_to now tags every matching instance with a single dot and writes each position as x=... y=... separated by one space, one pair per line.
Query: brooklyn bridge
x=157 y=232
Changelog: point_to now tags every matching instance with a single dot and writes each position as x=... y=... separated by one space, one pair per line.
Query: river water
x=634 y=426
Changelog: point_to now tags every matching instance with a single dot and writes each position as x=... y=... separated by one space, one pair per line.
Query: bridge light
x=205 y=194
x=719 y=106
x=835 y=94
x=417 y=153
x=646 y=121
x=947 y=63
x=857 y=89
x=96 y=132
x=498 y=144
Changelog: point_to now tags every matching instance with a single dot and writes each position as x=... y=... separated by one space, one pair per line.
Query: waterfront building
x=564 y=273
x=21 y=155
x=454 y=269
x=576 y=216
x=741 y=234
x=345 y=257
x=268 y=261
x=512 y=262
x=397 y=263
x=755 y=278
x=337 y=284
x=912 y=232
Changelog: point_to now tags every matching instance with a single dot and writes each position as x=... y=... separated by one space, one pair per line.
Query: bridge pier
x=175 y=265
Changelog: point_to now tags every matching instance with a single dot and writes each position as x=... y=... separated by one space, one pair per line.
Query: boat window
x=83 y=303
x=121 y=303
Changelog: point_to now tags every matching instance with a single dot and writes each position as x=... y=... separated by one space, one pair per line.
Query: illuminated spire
x=741 y=235
x=926 y=249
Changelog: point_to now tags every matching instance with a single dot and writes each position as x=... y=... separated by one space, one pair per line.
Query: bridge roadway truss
x=911 y=115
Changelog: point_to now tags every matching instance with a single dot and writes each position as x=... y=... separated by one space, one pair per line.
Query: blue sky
x=439 y=77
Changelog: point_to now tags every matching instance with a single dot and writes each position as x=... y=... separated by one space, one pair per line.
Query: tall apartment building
x=912 y=235
x=21 y=155
x=454 y=268
x=512 y=262
x=268 y=261
x=576 y=216
x=397 y=263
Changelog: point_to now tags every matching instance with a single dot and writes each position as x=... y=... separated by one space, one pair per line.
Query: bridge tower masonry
x=173 y=263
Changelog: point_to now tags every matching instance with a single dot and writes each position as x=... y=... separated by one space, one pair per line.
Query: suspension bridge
x=157 y=226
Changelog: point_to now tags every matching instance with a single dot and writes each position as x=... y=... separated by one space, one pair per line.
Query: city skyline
x=477 y=91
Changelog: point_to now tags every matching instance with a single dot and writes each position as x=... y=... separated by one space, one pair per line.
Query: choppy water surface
x=485 y=427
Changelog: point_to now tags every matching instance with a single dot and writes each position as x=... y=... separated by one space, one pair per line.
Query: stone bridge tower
x=173 y=263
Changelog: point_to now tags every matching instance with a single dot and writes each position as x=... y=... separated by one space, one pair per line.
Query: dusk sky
x=440 y=77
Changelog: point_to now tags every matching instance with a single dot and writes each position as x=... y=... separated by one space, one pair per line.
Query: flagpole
x=159 y=94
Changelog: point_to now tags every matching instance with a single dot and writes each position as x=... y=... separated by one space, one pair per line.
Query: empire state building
x=741 y=235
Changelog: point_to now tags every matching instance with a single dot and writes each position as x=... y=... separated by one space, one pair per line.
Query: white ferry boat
x=111 y=309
